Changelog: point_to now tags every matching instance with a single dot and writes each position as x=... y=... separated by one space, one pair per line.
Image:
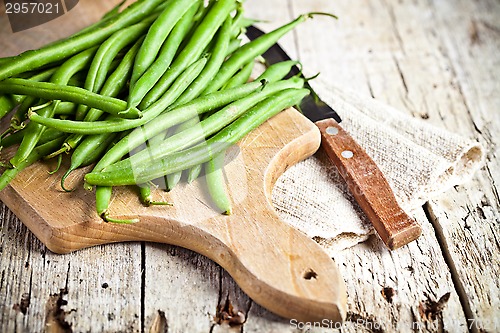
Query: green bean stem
x=147 y=198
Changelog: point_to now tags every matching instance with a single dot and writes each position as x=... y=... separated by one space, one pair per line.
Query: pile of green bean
x=151 y=92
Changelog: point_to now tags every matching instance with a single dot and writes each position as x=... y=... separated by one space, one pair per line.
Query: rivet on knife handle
x=368 y=185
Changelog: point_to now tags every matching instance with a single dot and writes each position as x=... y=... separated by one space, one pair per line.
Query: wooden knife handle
x=368 y=185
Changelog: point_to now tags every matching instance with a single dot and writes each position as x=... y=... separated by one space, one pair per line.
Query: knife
x=363 y=177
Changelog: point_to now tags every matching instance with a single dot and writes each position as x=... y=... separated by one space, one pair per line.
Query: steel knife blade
x=363 y=177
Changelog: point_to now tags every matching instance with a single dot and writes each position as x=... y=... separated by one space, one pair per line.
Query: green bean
x=36 y=154
x=193 y=173
x=214 y=176
x=279 y=69
x=103 y=197
x=114 y=11
x=210 y=125
x=238 y=18
x=134 y=174
x=215 y=61
x=7 y=104
x=117 y=124
x=233 y=46
x=105 y=55
x=157 y=34
x=33 y=130
x=17 y=120
x=61 y=50
x=172 y=118
x=65 y=109
x=249 y=51
x=113 y=86
x=88 y=152
x=197 y=43
x=52 y=91
x=242 y=76
x=101 y=63
x=16 y=138
x=141 y=85
x=173 y=179
x=237 y=80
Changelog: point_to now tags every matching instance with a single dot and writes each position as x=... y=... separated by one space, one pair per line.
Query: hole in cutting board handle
x=310 y=274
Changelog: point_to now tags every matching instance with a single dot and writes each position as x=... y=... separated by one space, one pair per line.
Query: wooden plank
x=93 y=289
x=101 y=285
x=416 y=274
x=468 y=218
x=431 y=71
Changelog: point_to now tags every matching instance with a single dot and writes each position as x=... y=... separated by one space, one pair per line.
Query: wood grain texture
x=435 y=60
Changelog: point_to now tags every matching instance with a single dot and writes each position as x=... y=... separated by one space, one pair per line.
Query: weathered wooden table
x=438 y=60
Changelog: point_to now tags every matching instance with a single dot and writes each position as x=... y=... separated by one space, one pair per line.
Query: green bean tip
x=311 y=14
x=107 y=218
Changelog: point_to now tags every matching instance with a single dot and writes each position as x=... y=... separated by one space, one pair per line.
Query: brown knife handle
x=368 y=185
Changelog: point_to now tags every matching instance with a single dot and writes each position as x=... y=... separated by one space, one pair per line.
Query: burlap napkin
x=419 y=161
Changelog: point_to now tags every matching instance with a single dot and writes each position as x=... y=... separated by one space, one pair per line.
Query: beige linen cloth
x=419 y=161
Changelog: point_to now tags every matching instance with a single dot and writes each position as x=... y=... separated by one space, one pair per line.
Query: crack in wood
x=160 y=323
x=459 y=287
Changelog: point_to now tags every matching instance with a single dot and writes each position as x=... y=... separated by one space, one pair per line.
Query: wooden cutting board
x=275 y=264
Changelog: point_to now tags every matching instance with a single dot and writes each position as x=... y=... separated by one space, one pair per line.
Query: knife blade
x=364 y=179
